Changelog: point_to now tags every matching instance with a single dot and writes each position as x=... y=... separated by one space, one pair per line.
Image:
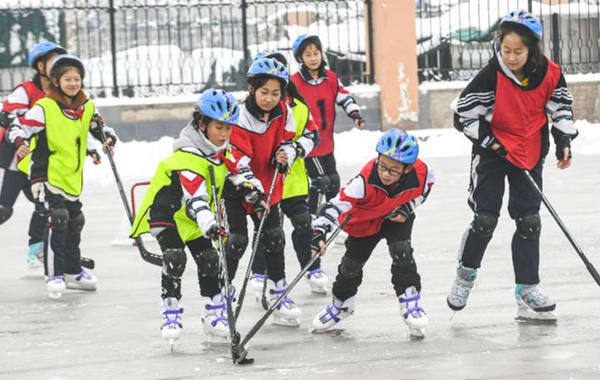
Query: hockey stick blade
x=87 y=262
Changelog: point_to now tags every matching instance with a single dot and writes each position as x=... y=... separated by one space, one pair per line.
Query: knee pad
x=484 y=224
x=529 y=226
x=236 y=246
x=301 y=223
x=350 y=267
x=273 y=240
x=334 y=186
x=76 y=224
x=174 y=260
x=59 y=219
x=402 y=253
x=320 y=184
x=5 y=213
x=208 y=264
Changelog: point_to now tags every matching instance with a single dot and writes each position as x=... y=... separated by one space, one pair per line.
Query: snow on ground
x=137 y=160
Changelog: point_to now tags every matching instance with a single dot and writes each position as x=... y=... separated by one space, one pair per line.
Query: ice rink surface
x=113 y=333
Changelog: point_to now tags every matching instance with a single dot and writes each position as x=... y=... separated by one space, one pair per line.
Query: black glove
x=253 y=196
x=300 y=151
x=562 y=142
x=113 y=138
x=487 y=141
x=93 y=153
x=321 y=183
x=5 y=119
x=319 y=235
x=215 y=231
x=355 y=115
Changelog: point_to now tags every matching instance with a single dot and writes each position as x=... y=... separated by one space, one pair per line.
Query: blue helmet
x=302 y=41
x=269 y=67
x=219 y=105
x=67 y=60
x=526 y=19
x=399 y=146
x=42 y=49
x=271 y=53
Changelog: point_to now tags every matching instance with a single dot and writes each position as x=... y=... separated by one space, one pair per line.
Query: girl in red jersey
x=263 y=140
x=503 y=112
x=322 y=90
x=381 y=199
x=12 y=180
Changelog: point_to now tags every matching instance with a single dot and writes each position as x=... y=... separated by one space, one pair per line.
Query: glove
x=36 y=189
x=355 y=115
x=562 y=142
x=252 y=195
x=113 y=139
x=215 y=231
x=300 y=151
x=488 y=141
x=319 y=235
x=282 y=168
x=321 y=183
x=5 y=119
x=93 y=153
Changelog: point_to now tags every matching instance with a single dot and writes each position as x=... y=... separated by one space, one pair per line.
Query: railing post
x=530 y=5
x=113 y=46
x=243 y=6
x=369 y=4
x=555 y=39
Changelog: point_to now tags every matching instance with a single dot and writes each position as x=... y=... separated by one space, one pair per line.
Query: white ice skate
x=82 y=281
x=56 y=286
x=413 y=315
x=287 y=313
x=341 y=238
x=463 y=283
x=255 y=284
x=35 y=261
x=332 y=314
x=533 y=306
x=318 y=281
x=171 y=326
x=214 y=317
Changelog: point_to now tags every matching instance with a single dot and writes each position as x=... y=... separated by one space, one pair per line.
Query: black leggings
x=323 y=166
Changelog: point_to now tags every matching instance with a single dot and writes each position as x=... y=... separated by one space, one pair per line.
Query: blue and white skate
x=287 y=313
x=332 y=314
x=35 y=261
x=55 y=286
x=214 y=317
x=171 y=326
x=533 y=305
x=318 y=281
x=412 y=314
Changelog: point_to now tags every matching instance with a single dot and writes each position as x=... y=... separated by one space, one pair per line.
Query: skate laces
x=287 y=302
x=221 y=316
x=412 y=305
x=36 y=251
x=332 y=312
x=83 y=274
x=316 y=273
x=532 y=297
x=56 y=278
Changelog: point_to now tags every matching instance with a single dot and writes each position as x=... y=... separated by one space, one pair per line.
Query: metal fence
x=169 y=47
x=454 y=36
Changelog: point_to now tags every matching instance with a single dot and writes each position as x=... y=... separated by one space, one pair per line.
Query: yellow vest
x=67 y=143
x=23 y=165
x=296 y=182
x=178 y=161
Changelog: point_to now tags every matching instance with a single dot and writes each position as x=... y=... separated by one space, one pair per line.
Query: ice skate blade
x=55 y=295
x=524 y=314
x=286 y=322
x=416 y=334
x=79 y=287
x=318 y=291
x=172 y=344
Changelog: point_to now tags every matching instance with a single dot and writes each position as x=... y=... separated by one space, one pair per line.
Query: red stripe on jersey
x=191 y=186
x=30 y=122
x=12 y=107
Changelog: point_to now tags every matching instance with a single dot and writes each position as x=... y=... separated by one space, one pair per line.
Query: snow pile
x=137 y=160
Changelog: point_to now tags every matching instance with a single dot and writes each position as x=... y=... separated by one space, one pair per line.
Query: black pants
x=61 y=239
x=171 y=286
x=12 y=183
x=488 y=173
x=358 y=251
x=317 y=167
x=272 y=236
x=291 y=208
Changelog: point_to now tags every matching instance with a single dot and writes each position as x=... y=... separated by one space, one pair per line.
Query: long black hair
x=534 y=59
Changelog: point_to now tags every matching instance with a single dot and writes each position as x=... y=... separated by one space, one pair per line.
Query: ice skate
x=533 y=306
x=35 y=261
x=463 y=283
x=171 y=326
x=255 y=284
x=413 y=315
x=214 y=317
x=287 y=313
x=82 y=281
x=318 y=281
x=332 y=314
x=56 y=286
x=341 y=238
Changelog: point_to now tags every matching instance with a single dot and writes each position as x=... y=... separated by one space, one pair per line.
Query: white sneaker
x=56 y=286
x=35 y=260
x=214 y=316
x=413 y=315
x=171 y=325
x=318 y=281
x=287 y=313
x=83 y=281
x=333 y=314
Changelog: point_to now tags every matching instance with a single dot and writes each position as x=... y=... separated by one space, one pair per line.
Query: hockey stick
x=259 y=324
x=579 y=251
x=255 y=246
x=235 y=336
x=148 y=256
x=87 y=262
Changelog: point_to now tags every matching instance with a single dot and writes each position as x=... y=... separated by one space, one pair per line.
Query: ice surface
x=113 y=333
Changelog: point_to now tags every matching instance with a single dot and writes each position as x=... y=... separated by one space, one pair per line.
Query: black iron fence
x=168 y=47
x=454 y=36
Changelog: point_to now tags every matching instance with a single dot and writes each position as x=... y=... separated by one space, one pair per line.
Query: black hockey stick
x=235 y=336
x=148 y=256
x=87 y=262
x=259 y=324
x=255 y=246
x=590 y=267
